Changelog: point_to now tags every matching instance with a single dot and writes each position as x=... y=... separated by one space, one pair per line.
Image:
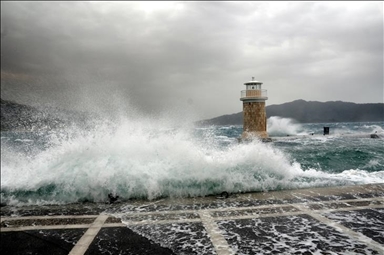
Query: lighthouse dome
x=252 y=82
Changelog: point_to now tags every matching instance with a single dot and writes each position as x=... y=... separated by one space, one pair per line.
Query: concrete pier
x=317 y=136
x=341 y=220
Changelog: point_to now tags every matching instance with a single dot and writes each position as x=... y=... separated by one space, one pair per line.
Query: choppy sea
x=150 y=159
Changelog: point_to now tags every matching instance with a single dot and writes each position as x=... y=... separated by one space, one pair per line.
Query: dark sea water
x=148 y=159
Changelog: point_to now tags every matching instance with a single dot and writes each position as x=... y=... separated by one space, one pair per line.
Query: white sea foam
x=287 y=235
x=278 y=126
x=24 y=140
x=147 y=158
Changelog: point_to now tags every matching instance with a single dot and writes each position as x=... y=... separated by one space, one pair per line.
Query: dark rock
x=374 y=136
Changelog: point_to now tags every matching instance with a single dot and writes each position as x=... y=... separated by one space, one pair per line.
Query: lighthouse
x=255 y=116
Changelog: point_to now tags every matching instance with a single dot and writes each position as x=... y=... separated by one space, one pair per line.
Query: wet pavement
x=332 y=220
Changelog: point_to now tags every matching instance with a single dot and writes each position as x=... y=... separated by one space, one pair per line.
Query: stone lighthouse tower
x=255 y=116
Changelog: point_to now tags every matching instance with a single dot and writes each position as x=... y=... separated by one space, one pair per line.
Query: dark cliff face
x=19 y=117
x=312 y=112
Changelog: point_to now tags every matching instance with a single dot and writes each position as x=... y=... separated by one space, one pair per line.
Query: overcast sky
x=154 y=56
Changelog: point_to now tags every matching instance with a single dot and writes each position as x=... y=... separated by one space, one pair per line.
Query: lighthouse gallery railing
x=254 y=93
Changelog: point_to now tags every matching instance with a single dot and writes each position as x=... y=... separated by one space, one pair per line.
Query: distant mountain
x=19 y=117
x=311 y=112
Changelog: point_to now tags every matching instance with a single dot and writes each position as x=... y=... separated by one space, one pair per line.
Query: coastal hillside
x=19 y=117
x=311 y=112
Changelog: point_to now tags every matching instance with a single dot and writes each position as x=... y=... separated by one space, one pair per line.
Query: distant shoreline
x=311 y=112
x=22 y=118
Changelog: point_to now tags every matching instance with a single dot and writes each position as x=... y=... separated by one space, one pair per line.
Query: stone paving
x=337 y=220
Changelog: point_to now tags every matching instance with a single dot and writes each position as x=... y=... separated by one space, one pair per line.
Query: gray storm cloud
x=189 y=54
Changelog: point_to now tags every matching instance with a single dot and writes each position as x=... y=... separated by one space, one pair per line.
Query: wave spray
x=140 y=158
